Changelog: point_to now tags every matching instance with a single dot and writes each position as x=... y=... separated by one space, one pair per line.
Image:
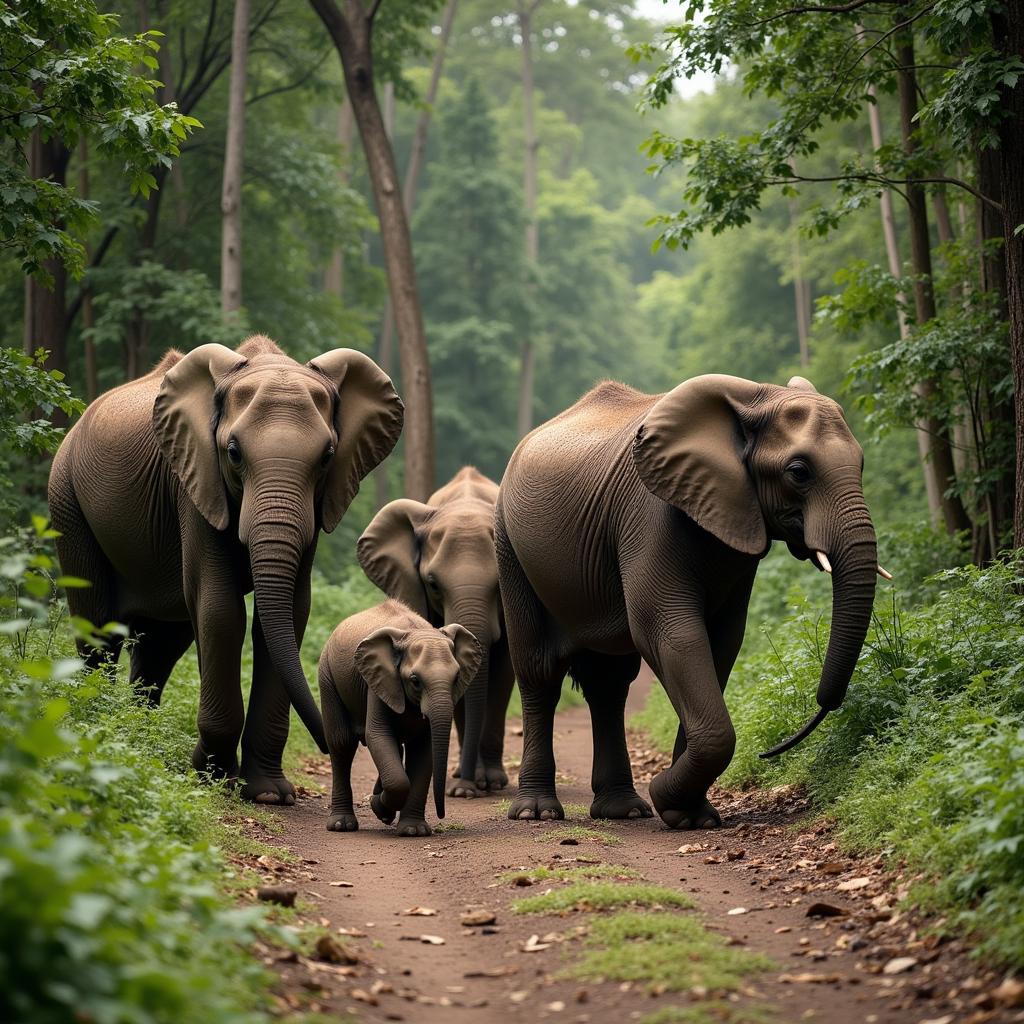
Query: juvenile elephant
x=438 y=558
x=180 y=492
x=389 y=679
x=632 y=525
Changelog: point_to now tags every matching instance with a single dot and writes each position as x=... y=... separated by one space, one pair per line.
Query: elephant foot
x=385 y=814
x=460 y=787
x=620 y=803
x=263 y=788
x=342 y=821
x=530 y=807
x=491 y=777
x=692 y=814
x=216 y=766
x=408 y=826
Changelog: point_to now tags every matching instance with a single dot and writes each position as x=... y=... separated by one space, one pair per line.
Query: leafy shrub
x=926 y=757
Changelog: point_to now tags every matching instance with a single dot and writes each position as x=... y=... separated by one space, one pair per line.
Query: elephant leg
x=460 y=731
x=269 y=715
x=491 y=771
x=342 y=744
x=412 y=821
x=605 y=681
x=377 y=804
x=157 y=649
x=540 y=671
x=679 y=793
x=80 y=555
x=387 y=756
x=219 y=622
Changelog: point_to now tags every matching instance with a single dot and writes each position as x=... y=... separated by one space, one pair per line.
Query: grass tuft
x=572 y=873
x=590 y=896
x=581 y=833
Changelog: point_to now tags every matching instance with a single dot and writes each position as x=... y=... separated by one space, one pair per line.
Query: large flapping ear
x=389 y=554
x=368 y=421
x=468 y=653
x=377 y=658
x=184 y=428
x=689 y=452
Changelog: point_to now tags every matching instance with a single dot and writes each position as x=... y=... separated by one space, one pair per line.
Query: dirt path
x=841 y=968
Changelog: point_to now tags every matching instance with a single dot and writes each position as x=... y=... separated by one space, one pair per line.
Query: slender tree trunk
x=527 y=352
x=88 y=319
x=1008 y=31
x=234 y=160
x=801 y=288
x=44 y=318
x=351 y=28
x=385 y=343
x=334 y=276
x=940 y=454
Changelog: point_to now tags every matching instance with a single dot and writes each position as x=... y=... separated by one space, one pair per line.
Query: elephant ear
x=183 y=421
x=468 y=654
x=689 y=452
x=368 y=421
x=377 y=659
x=389 y=552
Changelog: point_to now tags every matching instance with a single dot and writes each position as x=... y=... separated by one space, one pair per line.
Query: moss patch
x=588 y=896
x=572 y=873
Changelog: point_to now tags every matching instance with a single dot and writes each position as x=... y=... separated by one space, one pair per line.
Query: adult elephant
x=180 y=492
x=631 y=526
x=438 y=558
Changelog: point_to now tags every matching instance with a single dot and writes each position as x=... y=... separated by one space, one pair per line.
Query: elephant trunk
x=440 y=712
x=477 y=613
x=853 y=559
x=276 y=548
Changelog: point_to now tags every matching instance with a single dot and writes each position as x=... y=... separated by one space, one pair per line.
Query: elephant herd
x=628 y=527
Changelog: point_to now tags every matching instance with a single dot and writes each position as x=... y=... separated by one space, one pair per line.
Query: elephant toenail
x=525 y=813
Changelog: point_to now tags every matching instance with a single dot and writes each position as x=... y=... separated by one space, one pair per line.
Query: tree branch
x=374 y=7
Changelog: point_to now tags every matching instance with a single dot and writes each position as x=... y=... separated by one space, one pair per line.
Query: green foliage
x=923 y=759
x=111 y=902
x=66 y=72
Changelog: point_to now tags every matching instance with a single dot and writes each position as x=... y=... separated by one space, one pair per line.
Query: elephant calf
x=389 y=679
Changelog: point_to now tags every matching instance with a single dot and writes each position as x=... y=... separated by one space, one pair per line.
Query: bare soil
x=872 y=961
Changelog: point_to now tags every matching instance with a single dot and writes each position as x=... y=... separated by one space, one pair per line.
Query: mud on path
x=867 y=963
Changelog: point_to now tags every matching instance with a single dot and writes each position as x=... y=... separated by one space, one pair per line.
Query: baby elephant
x=387 y=679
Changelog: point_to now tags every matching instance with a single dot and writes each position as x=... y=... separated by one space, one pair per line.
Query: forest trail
x=838 y=968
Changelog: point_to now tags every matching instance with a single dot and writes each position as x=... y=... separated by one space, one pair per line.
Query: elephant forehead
x=430 y=652
x=265 y=389
x=811 y=419
x=448 y=535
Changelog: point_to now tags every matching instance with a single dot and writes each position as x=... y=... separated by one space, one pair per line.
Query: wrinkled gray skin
x=180 y=492
x=631 y=526
x=438 y=558
x=391 y=680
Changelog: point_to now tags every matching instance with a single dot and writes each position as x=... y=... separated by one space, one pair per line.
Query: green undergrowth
x=116 y=886
x=572 y=872
x=925 y=760
x=710 y=1011
x=581 y=833
x=601 y=896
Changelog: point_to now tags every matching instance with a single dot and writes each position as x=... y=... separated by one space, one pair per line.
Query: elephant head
x=430 y=669
x=276 y=450
x=751 y=463
x=440 y=561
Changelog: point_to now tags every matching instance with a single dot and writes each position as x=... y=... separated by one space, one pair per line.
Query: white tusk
x=823 y=560
x=884 y=573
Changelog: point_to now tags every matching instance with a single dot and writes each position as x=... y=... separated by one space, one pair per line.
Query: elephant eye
x=327 y=455
x=234 y=453
x=799 y=472
x=432 y=582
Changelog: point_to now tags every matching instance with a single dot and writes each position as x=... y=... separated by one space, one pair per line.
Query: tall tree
x=350 y=25
x=234 y=162
x=334 y=276
x=528 y=355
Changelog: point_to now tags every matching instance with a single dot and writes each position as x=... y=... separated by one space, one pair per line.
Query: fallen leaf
x=900 y=964
x=343 y=885
x=782 y=931
x=832 y=867
x=853 y=883
x=948 y=1019
x=492 y=972
x=363 y=996
x=690 y=848
x=736 y=911
x=277 y=894
x=420 y=912
x=556 y=1007
x=432 y=940
x=1009 y=993
x=826 y=910
x=808 y=979
x=355 y=933
x=434 y=853
x=534 y=945
x=474 y=918
x=335 y=952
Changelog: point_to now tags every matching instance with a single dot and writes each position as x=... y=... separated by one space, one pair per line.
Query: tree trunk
x=801 y=288
x=88 y=319
x=351 y=29
x=385 y=343
x=527 y=354
x=940 y=455
x=1008 y=31
x=234 y=160
x=44 y=320
x=334 y=276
